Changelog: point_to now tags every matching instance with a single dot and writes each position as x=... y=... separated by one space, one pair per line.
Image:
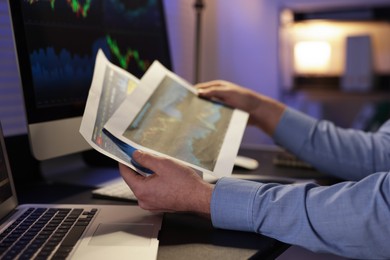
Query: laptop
x=62 y=231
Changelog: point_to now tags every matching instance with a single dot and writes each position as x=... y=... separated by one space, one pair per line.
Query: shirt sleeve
x=350 y=219
x=345 y=153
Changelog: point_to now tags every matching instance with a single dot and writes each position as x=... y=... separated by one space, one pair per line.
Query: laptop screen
x=5 y=187
x=7 y=196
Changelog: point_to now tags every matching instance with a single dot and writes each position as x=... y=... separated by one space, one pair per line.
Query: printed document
x=109 y=88
x=161 y=114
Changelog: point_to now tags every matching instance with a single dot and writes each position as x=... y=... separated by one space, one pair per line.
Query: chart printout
x=109 y=88
x=165 y=116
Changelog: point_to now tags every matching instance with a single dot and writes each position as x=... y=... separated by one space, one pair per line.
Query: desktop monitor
x=56 y=45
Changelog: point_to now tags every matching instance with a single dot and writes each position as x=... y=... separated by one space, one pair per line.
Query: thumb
x=146 y=160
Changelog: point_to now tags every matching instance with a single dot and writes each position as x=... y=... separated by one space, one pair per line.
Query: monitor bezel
x=10 y=203
x=62 y=120
x=39 y=115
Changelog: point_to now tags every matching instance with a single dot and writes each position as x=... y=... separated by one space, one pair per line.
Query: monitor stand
x=89 y=169
x=24 y=167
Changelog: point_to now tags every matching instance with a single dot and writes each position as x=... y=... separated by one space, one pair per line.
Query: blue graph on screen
x=48 y=67
x=133 y=9
x=62 y=73
x=132 y=14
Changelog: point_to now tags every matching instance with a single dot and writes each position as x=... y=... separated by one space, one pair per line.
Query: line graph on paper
x=173 y=115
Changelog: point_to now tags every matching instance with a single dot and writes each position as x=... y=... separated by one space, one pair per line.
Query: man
x=350 y=219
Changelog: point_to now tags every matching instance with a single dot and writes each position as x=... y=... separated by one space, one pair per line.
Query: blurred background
x=303 y=53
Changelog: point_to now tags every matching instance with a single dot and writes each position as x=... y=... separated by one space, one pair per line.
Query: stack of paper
x=161 y=114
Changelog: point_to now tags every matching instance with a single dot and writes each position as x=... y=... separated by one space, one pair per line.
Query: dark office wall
x=11 y=109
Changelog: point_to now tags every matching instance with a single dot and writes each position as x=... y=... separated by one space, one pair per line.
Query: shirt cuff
x=293 y=129
x=232 y=203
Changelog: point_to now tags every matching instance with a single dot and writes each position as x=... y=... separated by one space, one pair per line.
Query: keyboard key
x=37 y=232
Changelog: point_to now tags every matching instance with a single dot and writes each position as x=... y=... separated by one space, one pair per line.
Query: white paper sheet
x=109 y=88
x=164 y=116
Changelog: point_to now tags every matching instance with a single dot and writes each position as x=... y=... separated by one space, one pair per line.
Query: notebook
x=72 y=231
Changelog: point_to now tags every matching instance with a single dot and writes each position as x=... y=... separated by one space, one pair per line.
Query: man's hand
x=229 y=94
x=172 y=188
x=264 y=112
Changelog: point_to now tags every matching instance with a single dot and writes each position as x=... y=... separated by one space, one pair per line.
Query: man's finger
x=130 y=176
x=147 y=160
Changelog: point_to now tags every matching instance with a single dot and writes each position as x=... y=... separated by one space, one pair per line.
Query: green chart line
x=124 y=59
x=77 y=8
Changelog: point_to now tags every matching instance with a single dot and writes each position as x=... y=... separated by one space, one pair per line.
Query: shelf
x=335 y=95
x=363 y=13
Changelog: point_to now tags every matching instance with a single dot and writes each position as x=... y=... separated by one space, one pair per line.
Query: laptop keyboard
x=42 y=233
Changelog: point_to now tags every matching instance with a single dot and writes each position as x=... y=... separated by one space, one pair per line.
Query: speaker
x=358 y=71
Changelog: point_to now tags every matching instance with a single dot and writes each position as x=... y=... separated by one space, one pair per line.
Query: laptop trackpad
x=122 y=235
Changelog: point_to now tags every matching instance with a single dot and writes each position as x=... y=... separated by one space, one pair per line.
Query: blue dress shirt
x=350 y=219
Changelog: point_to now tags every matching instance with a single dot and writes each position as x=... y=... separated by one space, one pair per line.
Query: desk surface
x=265 y=155
x=185 y=234
x=181 y=234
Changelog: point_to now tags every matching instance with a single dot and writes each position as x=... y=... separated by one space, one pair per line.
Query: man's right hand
x=172 y=187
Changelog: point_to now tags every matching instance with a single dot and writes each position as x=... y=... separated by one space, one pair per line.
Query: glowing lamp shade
x=312 y=57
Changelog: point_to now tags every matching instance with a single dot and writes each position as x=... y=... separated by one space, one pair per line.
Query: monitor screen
x=56 y=44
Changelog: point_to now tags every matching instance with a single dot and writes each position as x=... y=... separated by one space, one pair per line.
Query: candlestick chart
x=124 y=58
x=79 y=8
x=63 y=37
x=132 y=9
